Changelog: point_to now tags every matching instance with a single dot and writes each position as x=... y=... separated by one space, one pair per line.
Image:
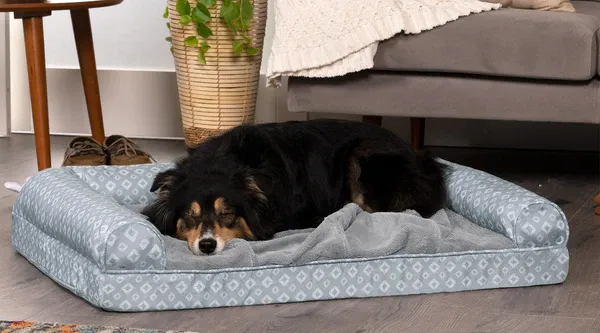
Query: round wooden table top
x=50 y=5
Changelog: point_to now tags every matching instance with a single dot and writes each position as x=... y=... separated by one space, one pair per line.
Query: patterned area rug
x=27 y=327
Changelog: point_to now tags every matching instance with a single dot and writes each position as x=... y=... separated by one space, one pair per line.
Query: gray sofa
x=509 y=64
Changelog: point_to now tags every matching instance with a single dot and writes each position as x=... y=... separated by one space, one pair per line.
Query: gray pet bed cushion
x=81 y=227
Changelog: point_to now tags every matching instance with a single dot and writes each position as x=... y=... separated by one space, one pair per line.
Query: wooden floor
x=570 y=180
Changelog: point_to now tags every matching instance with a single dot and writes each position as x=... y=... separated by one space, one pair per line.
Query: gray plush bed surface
x=348 y=233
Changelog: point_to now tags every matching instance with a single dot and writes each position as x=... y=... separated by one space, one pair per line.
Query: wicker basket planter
x=222 y=93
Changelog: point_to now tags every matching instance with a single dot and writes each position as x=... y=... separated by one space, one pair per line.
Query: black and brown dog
x=256 y=180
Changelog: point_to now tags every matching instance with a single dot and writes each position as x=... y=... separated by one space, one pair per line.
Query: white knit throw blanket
x=327 y=38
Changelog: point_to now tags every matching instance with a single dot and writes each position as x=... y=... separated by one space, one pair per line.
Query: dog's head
x=210 y=223
x=208 y=209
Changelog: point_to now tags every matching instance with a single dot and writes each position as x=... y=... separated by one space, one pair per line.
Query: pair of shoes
x=116 y=150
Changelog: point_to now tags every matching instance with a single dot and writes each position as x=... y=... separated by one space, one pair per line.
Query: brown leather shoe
x=84 y=151
x=123 y=151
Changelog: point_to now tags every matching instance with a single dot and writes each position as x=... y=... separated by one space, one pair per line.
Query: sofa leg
x=417 y=132
x=372 y=120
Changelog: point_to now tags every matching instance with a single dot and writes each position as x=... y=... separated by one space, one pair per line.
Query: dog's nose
x=207 y=245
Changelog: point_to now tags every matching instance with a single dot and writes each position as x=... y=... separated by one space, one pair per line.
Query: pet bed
x=80 y=227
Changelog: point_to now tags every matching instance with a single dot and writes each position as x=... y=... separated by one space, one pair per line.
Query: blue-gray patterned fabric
x=72 y=224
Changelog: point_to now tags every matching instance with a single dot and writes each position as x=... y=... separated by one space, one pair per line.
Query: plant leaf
x=247 y=39
x=166 y=13
x=204 y=47
x=169 y=39
x=208 y=3
x=229 y=12
x=191 y=41
x=183 y=7
x=229 y=26
x=238 y=47
x=201 y=14
x=201 y=58
x=247 y=9
x=172 y=50
x=203 y=30
x=168 y=25
x=251 y=51
x=185 y=20
x=238 y=25
x=244 y=24
x=227 y=3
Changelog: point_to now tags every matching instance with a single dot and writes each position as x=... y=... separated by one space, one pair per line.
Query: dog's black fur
x=276 y=177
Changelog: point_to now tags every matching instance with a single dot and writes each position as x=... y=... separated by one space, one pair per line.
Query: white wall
x=127 y=37
x=136 y=74
x=4 y=77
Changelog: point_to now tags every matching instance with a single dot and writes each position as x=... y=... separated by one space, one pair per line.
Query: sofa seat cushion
x=507 y=42
x=591 y=8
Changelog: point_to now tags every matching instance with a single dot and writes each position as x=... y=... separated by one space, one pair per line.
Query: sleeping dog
x=256 y=180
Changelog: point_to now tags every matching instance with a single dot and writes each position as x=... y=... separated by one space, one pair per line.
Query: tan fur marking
x=220 y=206
x=240 y=231
x=227 y=234
x=253 y=186
x=356 y=191
x=179 y=229
x=246 y=229
x=188 y=235
x=195 y=209
x=358 y=199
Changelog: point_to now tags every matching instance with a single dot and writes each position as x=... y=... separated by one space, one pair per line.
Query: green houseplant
x=217 y=48
x=235 y=14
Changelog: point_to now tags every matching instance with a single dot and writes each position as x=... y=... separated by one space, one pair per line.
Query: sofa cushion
x=550 y=5
x=507 y=42
x=447 y=96
x=590 y=8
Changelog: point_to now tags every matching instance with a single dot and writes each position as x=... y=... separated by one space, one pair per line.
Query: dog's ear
x=167 y=180
x=163 y=215
x=163 y=212
x=259 y=210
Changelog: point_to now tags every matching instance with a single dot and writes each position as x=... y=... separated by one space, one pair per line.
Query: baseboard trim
x=89 y=134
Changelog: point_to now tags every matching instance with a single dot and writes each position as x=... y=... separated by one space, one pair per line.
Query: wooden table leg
x=417 y=132
x=89 y=75
x=36 y=67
